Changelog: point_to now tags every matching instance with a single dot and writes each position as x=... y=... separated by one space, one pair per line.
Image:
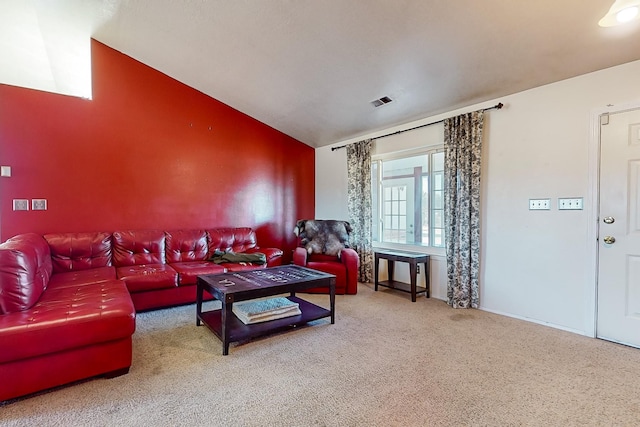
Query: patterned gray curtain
x=463 y=144
x=359 y=203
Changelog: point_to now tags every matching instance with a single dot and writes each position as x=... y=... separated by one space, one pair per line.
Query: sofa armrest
x=300 y=256
x=351 y=260
x=274 y=255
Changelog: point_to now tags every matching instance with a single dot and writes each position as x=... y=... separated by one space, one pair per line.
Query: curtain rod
x=498 y=106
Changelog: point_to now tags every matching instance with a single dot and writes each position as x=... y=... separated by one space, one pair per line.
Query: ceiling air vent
x=381 y=101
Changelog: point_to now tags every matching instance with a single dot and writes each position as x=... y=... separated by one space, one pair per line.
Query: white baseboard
x=526 y=319
x=539 y=322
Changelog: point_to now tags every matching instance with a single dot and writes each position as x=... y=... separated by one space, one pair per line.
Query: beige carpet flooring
x=386 y=362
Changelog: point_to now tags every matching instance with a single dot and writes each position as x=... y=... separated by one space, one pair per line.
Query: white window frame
x=432 y=250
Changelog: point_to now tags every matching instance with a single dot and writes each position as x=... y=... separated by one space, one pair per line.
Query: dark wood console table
x=409 y=257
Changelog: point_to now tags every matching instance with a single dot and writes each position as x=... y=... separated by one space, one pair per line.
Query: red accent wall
x=147 y=152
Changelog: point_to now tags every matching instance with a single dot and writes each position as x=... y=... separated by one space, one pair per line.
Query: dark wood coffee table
x=254 y=284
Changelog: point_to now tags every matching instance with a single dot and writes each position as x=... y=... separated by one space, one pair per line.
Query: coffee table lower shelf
x=238 y=331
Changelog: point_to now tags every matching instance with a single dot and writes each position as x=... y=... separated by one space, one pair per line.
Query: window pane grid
x=395 y=214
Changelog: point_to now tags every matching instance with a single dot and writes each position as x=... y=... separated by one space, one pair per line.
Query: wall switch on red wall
x=38 y=204
x=20 y=204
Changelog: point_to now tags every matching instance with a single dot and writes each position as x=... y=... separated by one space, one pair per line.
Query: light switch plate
x=38 y=204
x=570 y=203
x=539 y=204
x=20 y=204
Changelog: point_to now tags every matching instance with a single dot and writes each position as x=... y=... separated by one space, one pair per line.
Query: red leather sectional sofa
x=68 y=300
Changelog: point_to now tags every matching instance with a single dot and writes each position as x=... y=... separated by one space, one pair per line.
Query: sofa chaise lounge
x=68 y=300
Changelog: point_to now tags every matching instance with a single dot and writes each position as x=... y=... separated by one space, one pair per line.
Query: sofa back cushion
x=231 y=239
x=25 y=269
x=138 y=247
x=186 y=245
x=79 y=251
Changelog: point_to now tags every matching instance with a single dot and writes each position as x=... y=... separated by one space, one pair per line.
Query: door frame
x=592 y=205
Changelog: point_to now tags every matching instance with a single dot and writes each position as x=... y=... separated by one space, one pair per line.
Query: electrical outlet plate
x=38 y=204
x=20 y=204
x=570 y=203
x=539 y=204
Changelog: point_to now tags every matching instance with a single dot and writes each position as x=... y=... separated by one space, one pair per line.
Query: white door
x=398 y=210
x=618 y=317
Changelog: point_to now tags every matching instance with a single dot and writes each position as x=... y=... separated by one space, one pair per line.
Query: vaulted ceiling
x=310 y=68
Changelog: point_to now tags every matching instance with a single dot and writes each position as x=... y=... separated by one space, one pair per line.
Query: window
x=408 y=198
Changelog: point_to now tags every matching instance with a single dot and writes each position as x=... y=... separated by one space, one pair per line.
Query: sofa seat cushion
x=148 y=277
x=188 y=271
x=335 y=268
x=68 y=317
x=82 y=277
x=231 y=267
x=322 y=258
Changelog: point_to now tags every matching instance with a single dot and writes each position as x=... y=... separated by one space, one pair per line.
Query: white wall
x=536 y=265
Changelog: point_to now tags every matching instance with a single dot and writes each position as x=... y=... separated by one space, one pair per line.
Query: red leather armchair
x=345 y=268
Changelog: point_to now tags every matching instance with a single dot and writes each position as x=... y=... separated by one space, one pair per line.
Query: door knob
x=609 y=239
x=609 y=220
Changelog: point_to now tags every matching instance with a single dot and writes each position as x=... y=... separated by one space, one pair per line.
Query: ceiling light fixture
x=622 y=11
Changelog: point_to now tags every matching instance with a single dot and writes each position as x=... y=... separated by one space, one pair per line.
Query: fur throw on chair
x=320 y=236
